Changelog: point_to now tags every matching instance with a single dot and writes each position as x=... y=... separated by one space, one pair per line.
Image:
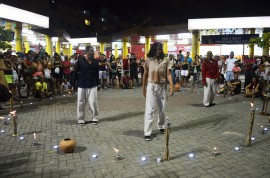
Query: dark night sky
x=174 y=11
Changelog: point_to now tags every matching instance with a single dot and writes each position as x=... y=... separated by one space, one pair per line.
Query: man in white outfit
x=87 y=72
x=229 y=64
x=157 y=71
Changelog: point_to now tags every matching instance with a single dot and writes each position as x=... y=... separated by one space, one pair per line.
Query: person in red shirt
x=66 y=68
x=210 y=74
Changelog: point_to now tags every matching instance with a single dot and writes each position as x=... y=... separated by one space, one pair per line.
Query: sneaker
x=147 y=138
x=94 y=122
x=162 y=131
x=206 y=106
x=81 y=123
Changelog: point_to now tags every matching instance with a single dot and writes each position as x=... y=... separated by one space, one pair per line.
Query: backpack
x=5 y=95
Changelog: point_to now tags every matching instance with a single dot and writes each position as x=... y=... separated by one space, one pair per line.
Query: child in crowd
x=220 y=84
x=65 y=87
x=41 y=89
x=126 y=81
x=236 y=69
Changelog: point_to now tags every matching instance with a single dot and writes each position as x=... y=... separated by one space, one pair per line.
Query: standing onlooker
x=209 y=75
x=185 y=70
x=57 y=74
x=133 y=64
x=196 y=70
x=177 y=67
x=157 y=72
x=248 y=67
x=73 y=60
x=87 y=70
x=229 y=64
x=102 y=70
x=66 y=68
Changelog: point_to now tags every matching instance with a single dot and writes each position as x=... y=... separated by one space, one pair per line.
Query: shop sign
x=227 y=39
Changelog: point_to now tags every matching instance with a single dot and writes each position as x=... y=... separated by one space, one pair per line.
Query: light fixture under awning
x=234 y=22
x=20 y=15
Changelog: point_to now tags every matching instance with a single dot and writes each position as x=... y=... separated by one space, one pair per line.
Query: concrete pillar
x=147 y=46
x=251 y=47
x=70 y=50
x=195 y=40
x=125 y=49
x=58 y=46
x=116 y=51
x=101 y=47
x=49 y=45
x=165 y=47
x=27 y=46
x=18 y=36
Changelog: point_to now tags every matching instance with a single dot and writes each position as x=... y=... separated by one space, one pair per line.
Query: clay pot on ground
x=67 y=145
x=176 y=87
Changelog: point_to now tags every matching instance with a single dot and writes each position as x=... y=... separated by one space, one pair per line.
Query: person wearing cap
x=157 y=71
x=87 y=71
x=229 y=64
x=210 y=74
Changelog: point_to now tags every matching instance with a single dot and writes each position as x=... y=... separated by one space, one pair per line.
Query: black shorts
x=133 y=74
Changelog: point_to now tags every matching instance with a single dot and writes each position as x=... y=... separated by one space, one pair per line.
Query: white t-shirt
x=72 y=61
x=66 y=86
x=230 y=64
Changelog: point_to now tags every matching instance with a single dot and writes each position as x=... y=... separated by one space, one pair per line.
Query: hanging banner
x=227 y=39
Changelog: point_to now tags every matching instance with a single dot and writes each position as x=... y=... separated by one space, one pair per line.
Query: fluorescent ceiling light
x=54 y=39
x=235 y=22
x=162 y=37
x=184 y=35
x=83 y=40
x=20 y=15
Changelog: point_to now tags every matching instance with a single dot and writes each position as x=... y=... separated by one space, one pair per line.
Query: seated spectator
x=220 y=84
x=65 y=87
x=234 y=86
x=41 y=89
x=252 y=88
x=126 y=81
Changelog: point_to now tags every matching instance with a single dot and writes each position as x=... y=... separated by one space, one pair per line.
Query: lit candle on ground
x=252 y=138
x=94 y=156
x=2 y=131
x=191 y=155
x=21 y=137
x=215 y=152
x=117 y=156
x=236 y=148
x=55 y=146
x=35 y=139
x=262 y=129
x=143 y=158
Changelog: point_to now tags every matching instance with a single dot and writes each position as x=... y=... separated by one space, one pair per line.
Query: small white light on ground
x=158 y=160
x=217 y=95
x=257 y=109
x=230 y=98
x=252 y=138
x=244 y=102
x=94 y=156
x=265 y=129
x=2 y=131
x=55 y=146
x=21 y=138
x=191 y=155
x=51 y=98
x=236 y=148
x=143 y=158
x=64 y=95
x=31 y=103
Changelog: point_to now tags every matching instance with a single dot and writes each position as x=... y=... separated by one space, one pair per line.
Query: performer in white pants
x=87 y=72
x=210 y=74
x=157 y=70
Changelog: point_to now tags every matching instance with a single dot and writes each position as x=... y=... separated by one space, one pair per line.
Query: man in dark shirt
x=87 y=72
x=102 y=70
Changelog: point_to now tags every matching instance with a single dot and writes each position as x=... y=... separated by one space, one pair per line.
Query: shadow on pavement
x=121 y=116
x=214 y=119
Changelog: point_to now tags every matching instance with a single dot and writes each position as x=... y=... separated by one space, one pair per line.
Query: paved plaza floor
x=194 y=129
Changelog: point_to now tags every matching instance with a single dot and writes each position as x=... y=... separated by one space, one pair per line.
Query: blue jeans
x=229 y=76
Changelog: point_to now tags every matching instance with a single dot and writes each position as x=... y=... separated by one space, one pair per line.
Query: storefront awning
x=20 y=15
x=234 y=22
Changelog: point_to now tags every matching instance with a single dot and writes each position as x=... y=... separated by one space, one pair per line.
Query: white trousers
x=155 y=94
x=209 y=92
x=87 y=95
